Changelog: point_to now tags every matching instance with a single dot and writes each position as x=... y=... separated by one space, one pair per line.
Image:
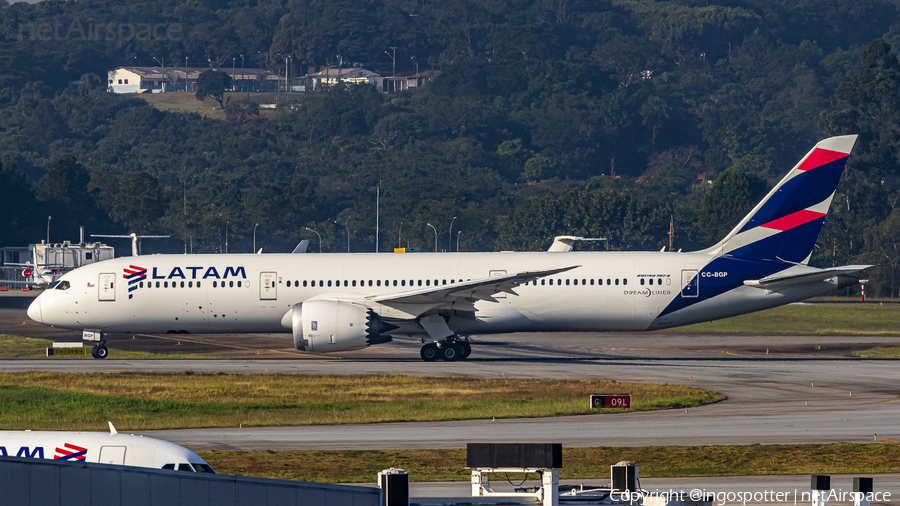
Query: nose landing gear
x=449 y=350
x=100 y=351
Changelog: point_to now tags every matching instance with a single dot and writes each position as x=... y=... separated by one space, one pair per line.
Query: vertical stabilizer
x=785 y=225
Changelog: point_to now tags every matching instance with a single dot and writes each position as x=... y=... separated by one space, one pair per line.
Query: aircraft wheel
x=100 y=352
x=429 y=352
x=466 y=350
x=94 y=352
x=451 y=352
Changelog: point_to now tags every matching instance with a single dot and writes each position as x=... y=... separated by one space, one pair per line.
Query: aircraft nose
x=34 y=310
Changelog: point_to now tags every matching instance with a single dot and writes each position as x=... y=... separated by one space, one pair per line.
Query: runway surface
x=781 y=389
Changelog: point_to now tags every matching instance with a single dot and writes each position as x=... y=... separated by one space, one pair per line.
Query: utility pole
x=254 y=237
x=393 y=60
x=414 y=16
x=233 y=59
x=450 y=238
x=377 y=209
x=435 y=236
x=671 y=233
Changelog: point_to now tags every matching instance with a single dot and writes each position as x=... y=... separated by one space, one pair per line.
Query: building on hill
x=331 y=76
x=407 y=82
x=163 y=79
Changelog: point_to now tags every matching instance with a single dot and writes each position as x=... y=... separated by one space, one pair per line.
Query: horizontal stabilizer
x=796 y=278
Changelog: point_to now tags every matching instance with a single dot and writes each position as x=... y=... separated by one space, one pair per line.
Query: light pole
x=399 y=235
x=450 y=236
x=414 y=16
x=233 y=61
x=435 y=236
x=186 y=75
x=393 y=60
x=48 y=228
x=163 y=64
x=243 y=77
x=348 y=234
x=317 y=234
x=254 y=237
x=457 y=240
x=226 y=236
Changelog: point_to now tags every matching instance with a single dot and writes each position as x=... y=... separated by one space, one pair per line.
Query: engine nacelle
x=330 y=325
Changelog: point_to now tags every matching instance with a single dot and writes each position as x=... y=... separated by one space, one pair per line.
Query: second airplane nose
x=34 y=310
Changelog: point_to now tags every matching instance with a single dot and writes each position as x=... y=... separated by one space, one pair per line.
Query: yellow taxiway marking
x=296 y=353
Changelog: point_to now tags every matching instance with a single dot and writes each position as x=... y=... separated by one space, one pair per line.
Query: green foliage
x=731 y=197
x=213 y=84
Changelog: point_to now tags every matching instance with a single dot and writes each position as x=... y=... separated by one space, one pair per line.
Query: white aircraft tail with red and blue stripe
x=785 y=225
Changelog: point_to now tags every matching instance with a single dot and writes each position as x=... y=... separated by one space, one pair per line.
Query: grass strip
x=356 y=466
x=28 y=347
x=143 y=401
x=878 y=352
x=802 y=319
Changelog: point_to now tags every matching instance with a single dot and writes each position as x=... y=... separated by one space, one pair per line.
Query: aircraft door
x=107 y=286
x=268 y=286
x=112 y=455
x=690 y=283
x=496 y=274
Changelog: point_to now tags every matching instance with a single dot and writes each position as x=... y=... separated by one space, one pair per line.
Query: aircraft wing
x=467 y=292
x=788 y=279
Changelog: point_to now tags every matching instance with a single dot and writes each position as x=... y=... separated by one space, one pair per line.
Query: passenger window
x=166 y=284
x=395 y=282
x=182 y=284
x=157 y=284
x=427 y=282
x=198 y=284
x=444 y=281
x=239 y=284
x=543 y=282
x=370 y=282
x=289 y=283
x=141 y=284
x=215 y=284
x=617 y=281
x=642 y=281
x=651 y=281
x=584 y=282
x=592 y=281
x=420 y=282
x=567 y=282
x=329 y=283
x=608 y=282
x=558 y=281
x=231 y=284
x=354 y=282
x=321 y=283
x=402 y=282
x=304 y=283
x=345 y=283
x=378 y=283
x=625 y=281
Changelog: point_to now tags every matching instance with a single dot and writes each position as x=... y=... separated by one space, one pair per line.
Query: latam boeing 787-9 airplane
x=345 y=301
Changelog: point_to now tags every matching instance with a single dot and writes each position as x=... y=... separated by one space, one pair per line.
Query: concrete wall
x=33 y=482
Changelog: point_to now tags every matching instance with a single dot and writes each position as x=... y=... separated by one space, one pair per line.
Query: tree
x=212 y=83
x=731 y=197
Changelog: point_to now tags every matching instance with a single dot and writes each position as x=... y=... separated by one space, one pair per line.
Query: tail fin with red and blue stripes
x=785 y=225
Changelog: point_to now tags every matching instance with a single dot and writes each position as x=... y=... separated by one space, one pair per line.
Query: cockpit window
x=63 y=285
x=185 y=467
x=169 y=466
x=53 y=285
x=203 y=468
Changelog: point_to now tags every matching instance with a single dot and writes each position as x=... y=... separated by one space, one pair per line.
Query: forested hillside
x=601 y=118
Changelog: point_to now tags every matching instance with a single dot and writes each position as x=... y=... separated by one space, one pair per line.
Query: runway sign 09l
x=615 y=401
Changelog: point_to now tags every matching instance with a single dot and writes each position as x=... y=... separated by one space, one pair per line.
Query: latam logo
x=134 y=274
x=70 y=452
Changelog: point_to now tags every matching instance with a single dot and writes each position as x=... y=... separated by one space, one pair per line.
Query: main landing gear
x=100 y=351
x=451 y=349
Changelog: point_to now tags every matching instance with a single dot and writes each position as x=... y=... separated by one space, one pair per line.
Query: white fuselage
x=228 y=293
x=102 y=448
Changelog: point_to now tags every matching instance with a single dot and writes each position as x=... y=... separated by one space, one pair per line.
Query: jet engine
x=330 y=325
